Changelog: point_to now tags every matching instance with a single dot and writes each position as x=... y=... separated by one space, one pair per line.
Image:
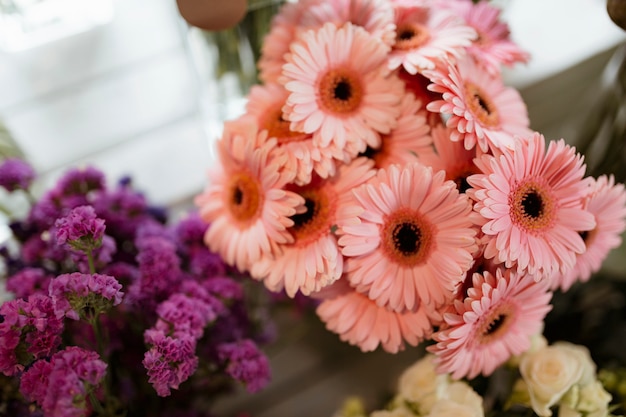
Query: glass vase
x=225 y=63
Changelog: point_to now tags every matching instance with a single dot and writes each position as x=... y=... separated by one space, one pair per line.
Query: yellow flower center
x=340 y=91
x=407 y=238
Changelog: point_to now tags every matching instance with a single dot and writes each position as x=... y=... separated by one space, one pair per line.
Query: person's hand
x=212 y=14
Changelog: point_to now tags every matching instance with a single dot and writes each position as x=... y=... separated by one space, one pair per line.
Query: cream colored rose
x=396 y=412
x=593 y=398
x=460 y=392
x=422 y=385
x=550 y=372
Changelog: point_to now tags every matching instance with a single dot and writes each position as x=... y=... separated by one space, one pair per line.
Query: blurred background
x=123 y=86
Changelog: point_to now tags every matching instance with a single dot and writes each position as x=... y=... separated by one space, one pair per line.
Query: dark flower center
x=343 y=90
x=302 y=219
x=533 y=204
x=407 y=237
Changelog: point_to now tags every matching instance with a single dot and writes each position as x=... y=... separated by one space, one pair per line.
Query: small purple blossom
x=60 y=387
x=184 y=315
x=80 y=182
x=159 y=267
x=79 y=295
x=28 y=281
x=81 y=229
x=29 y=330
x=169 y=361
x=245 y=363
x=102 y=255
x=16 y=174
x=123 y=209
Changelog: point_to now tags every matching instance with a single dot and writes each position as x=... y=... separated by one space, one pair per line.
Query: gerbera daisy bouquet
x=112 y=306
x=383 y=168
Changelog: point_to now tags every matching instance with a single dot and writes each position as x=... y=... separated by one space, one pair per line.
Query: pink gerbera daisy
x=341 y=90
x=302 y=156
x=245 y=202
x=426 y=36
x=493 y=46
x=531 y=199
x=361 y=322
x=480 y=107
x=408 y=237
x=452 y=157
x=607 y=202
x=494 y=322
x=409 y=141
x=375 y=16
x=313 y=260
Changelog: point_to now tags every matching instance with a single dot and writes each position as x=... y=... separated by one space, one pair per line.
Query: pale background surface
x=124 y=97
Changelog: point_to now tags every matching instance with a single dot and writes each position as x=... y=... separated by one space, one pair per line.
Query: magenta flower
x=81 y=229
x=245 y=363
x=29 y=330
x=28 y=281
x=61 y=387
x=79 y=295
x=170 y=361
x=184 y=315
x=16 y=174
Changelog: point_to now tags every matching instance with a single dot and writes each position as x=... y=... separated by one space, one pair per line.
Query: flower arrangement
x=115 y=309
x=385 y=170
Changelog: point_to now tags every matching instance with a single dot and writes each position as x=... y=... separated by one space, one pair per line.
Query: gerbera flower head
x=452 y=157
x=484 y=112
x=426 y=36
x=607 y=202
x=340 y=88
x=301 y=154
x=408 y=237
x=531 y=198
x=245 y=202
x=313 y=259
x=361 y=322
x=494 y=322
x=493 y=46
x=409 y=141
x=375 y=16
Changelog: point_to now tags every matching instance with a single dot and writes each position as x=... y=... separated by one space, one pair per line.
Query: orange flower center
x=495 y=323
x=411 y=36
x=532 y=207
x=244 y=197
x=316 y=220
x=481 y=106
x=340 y=91
x=277 y=127
x=407 y=238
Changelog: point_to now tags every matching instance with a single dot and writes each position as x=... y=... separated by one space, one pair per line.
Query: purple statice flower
x=196 y=290
x=16 y=174
x=184 y=315
x=245 y=363
x=28 y=281
x=226 y=288
x=79 y=295
x=39 y=251
x=190 y=230
x=170 y=360
x=123 y=209
x=159 y=267
x=61 y=387
x=29 y=330
x=81 y=229
x=80 y=182
x=189 y=234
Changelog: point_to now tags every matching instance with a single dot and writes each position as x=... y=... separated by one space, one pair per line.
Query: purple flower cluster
x=15 y=174
x=79 y=295
x=30 y=329
x=245 y=363
x=62 y=385
x=104 y=285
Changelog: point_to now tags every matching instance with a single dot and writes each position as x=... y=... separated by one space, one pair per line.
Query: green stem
x=92 y=266
x=95 y=403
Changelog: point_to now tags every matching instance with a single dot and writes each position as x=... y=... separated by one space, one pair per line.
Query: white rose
x=396 y=412
x=460 y=392
x=422 y=385
x=594 y=398
x=567 y=411
x=550 y=372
